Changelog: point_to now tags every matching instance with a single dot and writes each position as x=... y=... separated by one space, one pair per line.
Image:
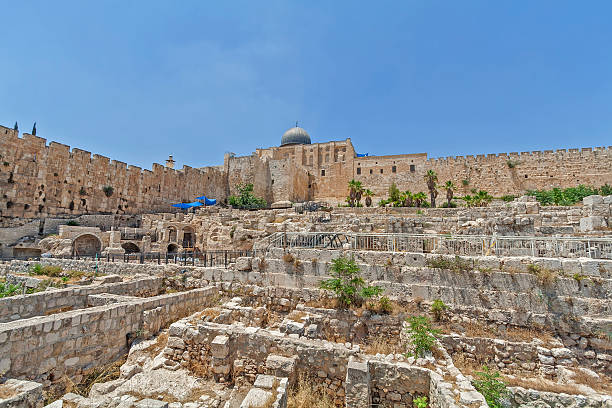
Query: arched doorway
x=171 y=234
x=172 y=248
x=130 y=247
x=86 y=245
x=188 y=237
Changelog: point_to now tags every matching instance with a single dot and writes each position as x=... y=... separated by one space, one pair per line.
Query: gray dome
x=295 y=135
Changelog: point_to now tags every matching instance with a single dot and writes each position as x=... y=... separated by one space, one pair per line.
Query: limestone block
x=357 y=388
x=219 y=347
x=280 y=366
x=256 y=398
x=151 y=403
x=592 y=200
x=264 y=381
x=26 y=394
x=291 y=327
x=592 y=223
x=243 y=264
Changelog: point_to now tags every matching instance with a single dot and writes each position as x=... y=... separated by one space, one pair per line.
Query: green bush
x=384 y=303
x=422 y=335
x=420 y=402
x=47 y=270
x=245 y=199
x=451 y=205
x=438 y=308
x=108 y=190
x=490 y=386
x=568 y=196
x=7 y=289
x=73 y=223
x=508 y=198
x=347 y=283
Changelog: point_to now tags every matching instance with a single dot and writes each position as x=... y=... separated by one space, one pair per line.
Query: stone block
x=592 y=200
x=357 y=388
x=256 y=398
x=151 y=403
x=280 y=366
x=243 y=264
x=592 y=223
x=219 y=347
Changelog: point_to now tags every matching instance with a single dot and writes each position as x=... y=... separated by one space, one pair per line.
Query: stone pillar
x=357 y=386
x=146 y=244
x=220 y=361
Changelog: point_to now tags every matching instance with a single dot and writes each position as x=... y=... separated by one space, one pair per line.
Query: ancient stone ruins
x=112 y=300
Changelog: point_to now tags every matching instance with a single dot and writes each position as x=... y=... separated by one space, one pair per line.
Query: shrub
x=508 y=198
x=384 y=304
x=568 y=196
x=288 y=258
x=451 y=205
x=545 y=276
x=8 y=289
x=422 y=335
x=73 y=223
x=420 y=402
x=47 y=270
x=347 y=283
x=82 y=191
x=490 y=386
x=455 y=265
x=245 y=199
x=438 y=308
x=108 y=190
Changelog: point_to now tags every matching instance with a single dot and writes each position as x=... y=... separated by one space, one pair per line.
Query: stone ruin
x=260 y=331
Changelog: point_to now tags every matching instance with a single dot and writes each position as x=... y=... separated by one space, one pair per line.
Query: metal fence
x=474 y=245
x=207 y=258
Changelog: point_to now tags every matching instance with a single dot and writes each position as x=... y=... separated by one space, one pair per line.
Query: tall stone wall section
x=38 y=180
x=499 y=174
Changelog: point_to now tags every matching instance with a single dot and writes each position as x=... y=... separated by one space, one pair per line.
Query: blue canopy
x=184 y=206
x=181 y=205
x=207 y=201
x=363 y=155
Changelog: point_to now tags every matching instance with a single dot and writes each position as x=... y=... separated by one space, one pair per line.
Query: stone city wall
x=61 y=300
x=39 y=180
x=45 y=349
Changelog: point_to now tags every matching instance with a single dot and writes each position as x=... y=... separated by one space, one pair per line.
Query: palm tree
x=408 y=198
x=368 y=195
x=483 y=198
x=450 y=187
x=352 y=185
x=419 y=198
x=358 y=192
x=431 y=178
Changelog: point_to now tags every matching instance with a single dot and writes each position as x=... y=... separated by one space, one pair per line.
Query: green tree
x=419 y=198
x=246 y=199
x=431 y=178
x=490 y=386
x=450 y=190
x=394 y=193
x=368 y=197
x=348 y=284
x=422 y=335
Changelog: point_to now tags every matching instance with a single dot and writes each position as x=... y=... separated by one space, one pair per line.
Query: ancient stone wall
x=46 y=303
x=72 y=343
x=39 y=180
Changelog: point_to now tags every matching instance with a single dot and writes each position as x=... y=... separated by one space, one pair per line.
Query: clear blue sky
x=136 y=80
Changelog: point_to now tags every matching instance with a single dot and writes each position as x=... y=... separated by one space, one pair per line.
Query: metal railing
x=204 y=259
x=474 y=245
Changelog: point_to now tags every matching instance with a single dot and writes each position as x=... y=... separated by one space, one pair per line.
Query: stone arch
x=130 y=247
x=86 y=244
x=172 y=248
x=172 y=234
x=189 y=237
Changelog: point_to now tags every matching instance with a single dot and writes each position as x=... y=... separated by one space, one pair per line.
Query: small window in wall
x=272 y=182
x=358 y=170
x=370 y=171
x=412 y=168
x=525 y=176
x=381 y=171
x=394 y=169
x=322 y=172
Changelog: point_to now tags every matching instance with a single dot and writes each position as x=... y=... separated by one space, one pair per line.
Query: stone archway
x=188 y=237
x=86 y=245
x=130 y=247
x=172 y=248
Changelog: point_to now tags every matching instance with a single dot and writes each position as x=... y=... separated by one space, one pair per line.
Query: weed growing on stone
x=545 y=276
x=420 y=402
x=490 y=386
x=455 y=265
x=348 y=284
x=7 y=289
x=439 y=308
x=422 y=335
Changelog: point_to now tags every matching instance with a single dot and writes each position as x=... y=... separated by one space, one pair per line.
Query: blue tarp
x=207 y=201
x=184 y=206
x=363 y=155
x=181 y=205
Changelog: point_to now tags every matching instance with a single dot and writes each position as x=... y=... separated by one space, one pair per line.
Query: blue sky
x=137 y=80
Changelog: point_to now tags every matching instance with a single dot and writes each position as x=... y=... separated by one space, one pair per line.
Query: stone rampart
x=46 y=349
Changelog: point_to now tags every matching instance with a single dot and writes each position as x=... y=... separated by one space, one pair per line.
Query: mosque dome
x=295 y=135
